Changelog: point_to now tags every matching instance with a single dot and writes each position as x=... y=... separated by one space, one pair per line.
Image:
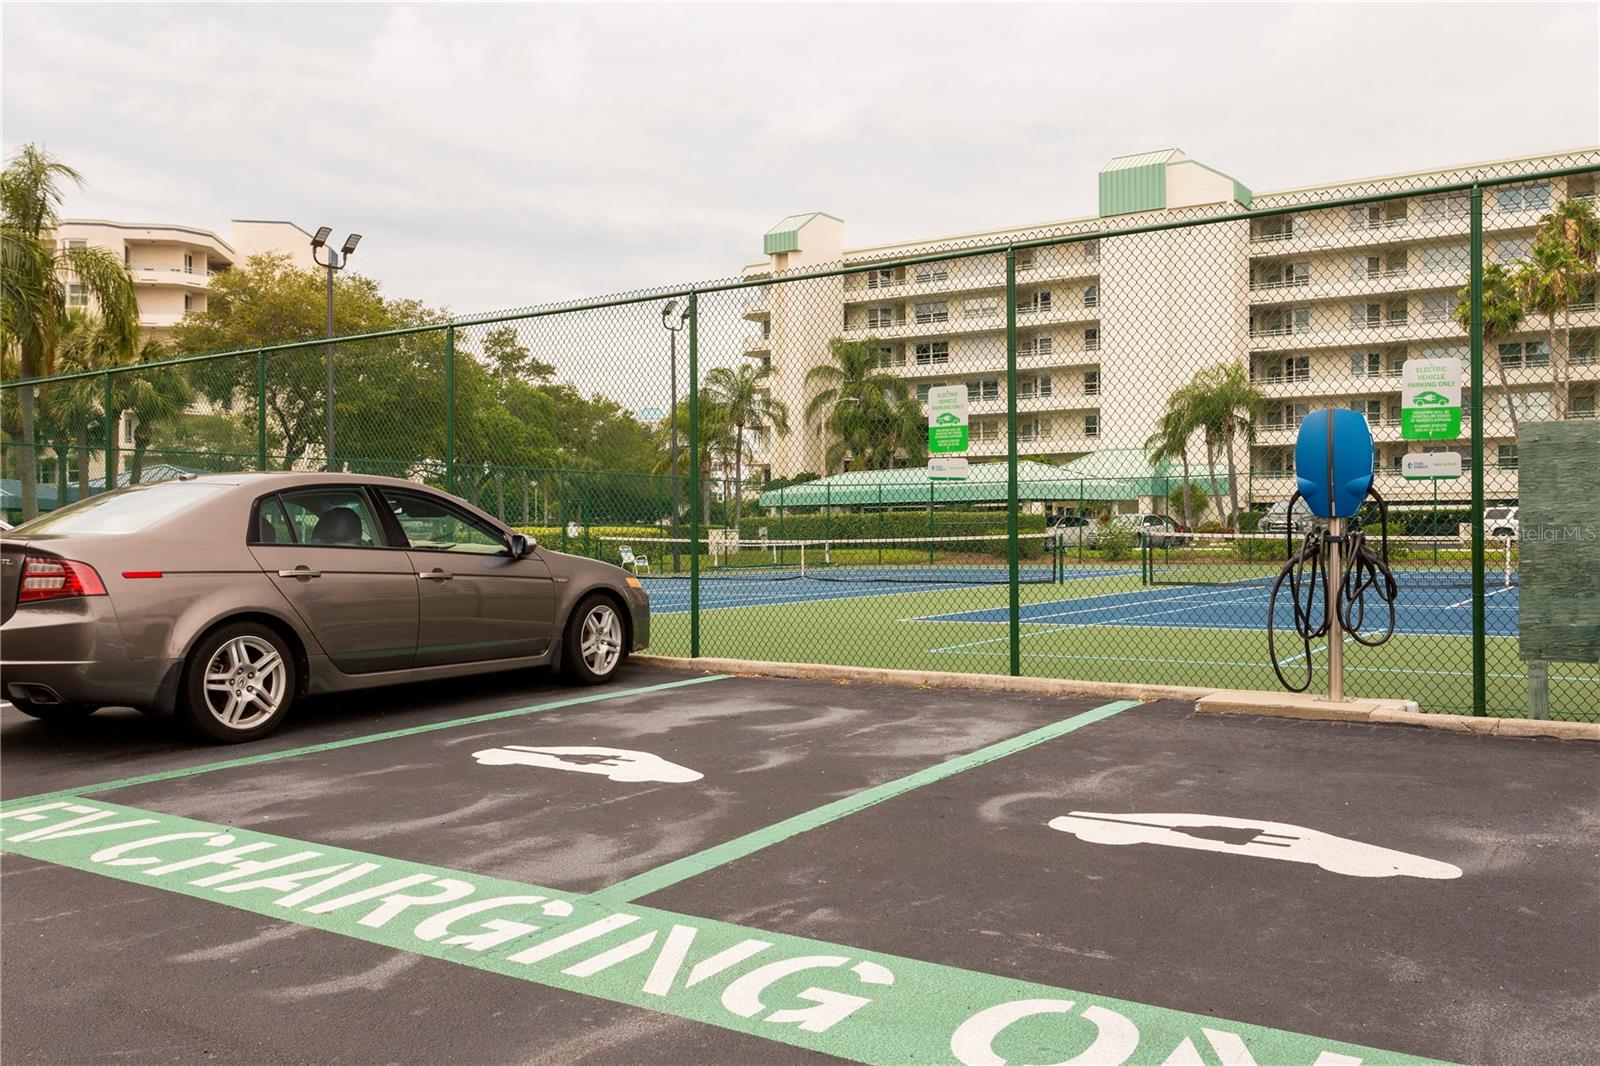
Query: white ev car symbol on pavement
x=616 y=763
x=1243 y=836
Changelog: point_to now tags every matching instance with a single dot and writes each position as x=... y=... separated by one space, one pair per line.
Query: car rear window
x=126 y=510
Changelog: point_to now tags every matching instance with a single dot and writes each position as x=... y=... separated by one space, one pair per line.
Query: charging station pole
x=1335 y=631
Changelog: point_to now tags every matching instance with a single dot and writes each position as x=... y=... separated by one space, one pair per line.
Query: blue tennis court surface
x=720 y=592
x=1436 y=603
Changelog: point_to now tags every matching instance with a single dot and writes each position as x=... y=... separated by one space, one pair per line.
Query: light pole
x=672 y=417
x=335 y=261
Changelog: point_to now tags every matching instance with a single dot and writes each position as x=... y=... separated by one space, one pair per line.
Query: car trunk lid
x=12 y=552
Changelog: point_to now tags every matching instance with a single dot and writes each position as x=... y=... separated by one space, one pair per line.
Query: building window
x=985 y=429
x=926 y=272
x=1519 y=354
x=1280 y=322
x=983 y=307
x=1091 y=252
x=1372 y=409
x=1039 y=301
x=1091 y=382
x=1513 y=250
x=1091 y=425
x=1024 y=262
x=125 y=427
x=933 y=354
x=1449 y=205
x=1028 y=431
x=889 y=355
x=188 y=263
x=1582 y=405
x=1438 y=307
x=1091 y=339
x=77 y=295
x=1035 y=346
x=188 y=303
x=1523 y=198
x=880 y=317
x=1035 y=388
x=1091 y=296
x=983 y=389
x=922 y=389
x=1449 y=257
x=74 y=243
x=1506 y=457
x=933 y=311
x=1366 y=365
x=1583 y=353
x=879 y=279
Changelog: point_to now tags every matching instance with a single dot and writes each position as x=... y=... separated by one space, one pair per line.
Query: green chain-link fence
x=758 y=447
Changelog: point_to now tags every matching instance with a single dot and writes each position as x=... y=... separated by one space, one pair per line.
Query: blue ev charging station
x=1329 y=576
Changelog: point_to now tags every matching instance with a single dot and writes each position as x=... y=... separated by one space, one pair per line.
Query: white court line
x=1267 y=665
x=1314 y=651
x=1082 y=625
x=1496 y=592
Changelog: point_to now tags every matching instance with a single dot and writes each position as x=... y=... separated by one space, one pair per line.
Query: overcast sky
x=497 y=156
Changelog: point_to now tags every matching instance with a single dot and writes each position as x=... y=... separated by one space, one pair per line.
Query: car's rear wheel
x=593 y=645
x=57 y=713
x=238 y=683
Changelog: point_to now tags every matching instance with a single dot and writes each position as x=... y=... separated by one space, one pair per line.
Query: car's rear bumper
x=74 y=652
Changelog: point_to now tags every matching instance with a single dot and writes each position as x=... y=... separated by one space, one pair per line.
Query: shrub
x=1113 y=541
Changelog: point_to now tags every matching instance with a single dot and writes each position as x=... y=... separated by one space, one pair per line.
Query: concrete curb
x=1206 y=700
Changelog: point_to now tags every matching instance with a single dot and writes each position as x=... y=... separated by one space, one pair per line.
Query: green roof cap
x=785 y=236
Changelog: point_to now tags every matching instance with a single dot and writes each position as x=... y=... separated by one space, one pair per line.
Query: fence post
x=450 y=408
x=110 y=479
x=1480 y=695
x=694 y=475
x=1015 y=616
x=261 y=409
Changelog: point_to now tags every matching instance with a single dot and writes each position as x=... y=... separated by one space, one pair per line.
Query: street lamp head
x=666 y=312
x=320 y=238
x=350 y=243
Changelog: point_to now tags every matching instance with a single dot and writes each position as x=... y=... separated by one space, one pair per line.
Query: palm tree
x=1546 y=284
x=864 y=410
x=1171 y=440
x=744 y=398
x=716 y=445
x=1227 y=404
x=1573 y=227
x=34 y=276
x=76 y=405
x=153 y=397
x=1502 y=316
x=1574 y=223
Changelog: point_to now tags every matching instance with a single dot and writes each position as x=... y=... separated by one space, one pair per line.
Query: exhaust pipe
x=43 y=695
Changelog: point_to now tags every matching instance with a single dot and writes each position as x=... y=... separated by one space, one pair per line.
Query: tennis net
x=1256 y=558
x=976 y=559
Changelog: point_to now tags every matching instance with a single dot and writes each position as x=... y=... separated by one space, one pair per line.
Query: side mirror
x=519 y=545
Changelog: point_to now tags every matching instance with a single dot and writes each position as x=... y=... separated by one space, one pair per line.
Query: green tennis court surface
x=688 y=867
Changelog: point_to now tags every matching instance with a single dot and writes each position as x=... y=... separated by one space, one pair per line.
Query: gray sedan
x=223 y=598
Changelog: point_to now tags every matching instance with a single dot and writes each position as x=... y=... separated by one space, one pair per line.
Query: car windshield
x=1497 y=512
x=126 y=510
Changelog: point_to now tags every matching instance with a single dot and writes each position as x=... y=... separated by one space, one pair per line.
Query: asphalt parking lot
x=699 y=868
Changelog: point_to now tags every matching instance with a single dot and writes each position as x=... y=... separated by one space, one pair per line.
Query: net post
x=1012 y=491
x=694 y=475
x=261 y=409
x=450 y=408
x=1475 y=295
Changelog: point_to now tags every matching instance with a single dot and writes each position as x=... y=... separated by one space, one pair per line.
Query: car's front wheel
x=593 y=645
x=238 y=684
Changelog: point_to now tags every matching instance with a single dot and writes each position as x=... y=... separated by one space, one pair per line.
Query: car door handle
x=435 y=575
x=300 y=572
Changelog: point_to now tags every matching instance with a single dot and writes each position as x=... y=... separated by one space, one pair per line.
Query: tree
x=744 y=396
x=1502 y=316
x=75 y=406
x=1573 y=228
x=269 y=301
x=1171 y=440
x=1227 y=405
x=716 y=444
x=1546 y=284
x=154 y=397
x=869 y=415
x=35 y=273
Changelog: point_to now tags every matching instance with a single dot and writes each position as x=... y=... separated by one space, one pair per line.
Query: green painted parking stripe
x=835 y=999
x=721 y=854
x=333 y=745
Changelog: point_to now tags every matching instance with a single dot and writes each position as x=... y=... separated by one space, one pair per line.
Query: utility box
x=1558 y=540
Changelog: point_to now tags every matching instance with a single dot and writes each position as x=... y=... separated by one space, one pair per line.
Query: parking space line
x=372 y=738
x=671 y=873
x=865 y=1006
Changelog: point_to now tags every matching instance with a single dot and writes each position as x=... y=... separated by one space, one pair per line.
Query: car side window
x=430 y=524
x=272 y=525
x=331 y=517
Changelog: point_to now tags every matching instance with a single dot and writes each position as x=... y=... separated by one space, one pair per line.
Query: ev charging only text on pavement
x=855 y=1004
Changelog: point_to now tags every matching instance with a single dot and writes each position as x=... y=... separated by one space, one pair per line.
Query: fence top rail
x=864 y=266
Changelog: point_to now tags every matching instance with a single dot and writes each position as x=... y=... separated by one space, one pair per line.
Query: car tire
x=55 y=713
x=593 y=643
x=238 y=684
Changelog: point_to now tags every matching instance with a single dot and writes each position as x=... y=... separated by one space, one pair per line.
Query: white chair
x=630 y=560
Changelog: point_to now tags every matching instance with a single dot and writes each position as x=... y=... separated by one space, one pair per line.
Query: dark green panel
x=1559 y=540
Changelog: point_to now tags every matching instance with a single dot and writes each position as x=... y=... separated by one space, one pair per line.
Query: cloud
x=498 y=156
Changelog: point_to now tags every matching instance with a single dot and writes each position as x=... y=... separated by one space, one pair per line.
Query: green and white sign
x=1430 y=399
x=947 y=419
x=1429 y=466
x=948 y=467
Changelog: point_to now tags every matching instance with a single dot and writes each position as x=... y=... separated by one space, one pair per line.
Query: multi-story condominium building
x=1322 y=306
x=172 y=265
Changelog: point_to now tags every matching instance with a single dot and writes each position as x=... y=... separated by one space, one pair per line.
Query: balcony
x=902 y=326
x=1329 y=231
x=1335 y=286
x=191 y=278
x=1346 y=335
x=756 y=344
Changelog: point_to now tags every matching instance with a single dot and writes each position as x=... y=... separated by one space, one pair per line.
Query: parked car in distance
x=1157 y=530
x=1066 y=529
x=1501 y=523
x=223 y=598
x=1278 y=520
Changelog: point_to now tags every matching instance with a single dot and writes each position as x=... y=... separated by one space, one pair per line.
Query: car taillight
x=57 y=579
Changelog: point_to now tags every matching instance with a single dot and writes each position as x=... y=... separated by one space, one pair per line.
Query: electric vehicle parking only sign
x=1430 y=399
x=947 y=420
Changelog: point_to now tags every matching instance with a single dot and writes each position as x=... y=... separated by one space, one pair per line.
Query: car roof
x=277 y=479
